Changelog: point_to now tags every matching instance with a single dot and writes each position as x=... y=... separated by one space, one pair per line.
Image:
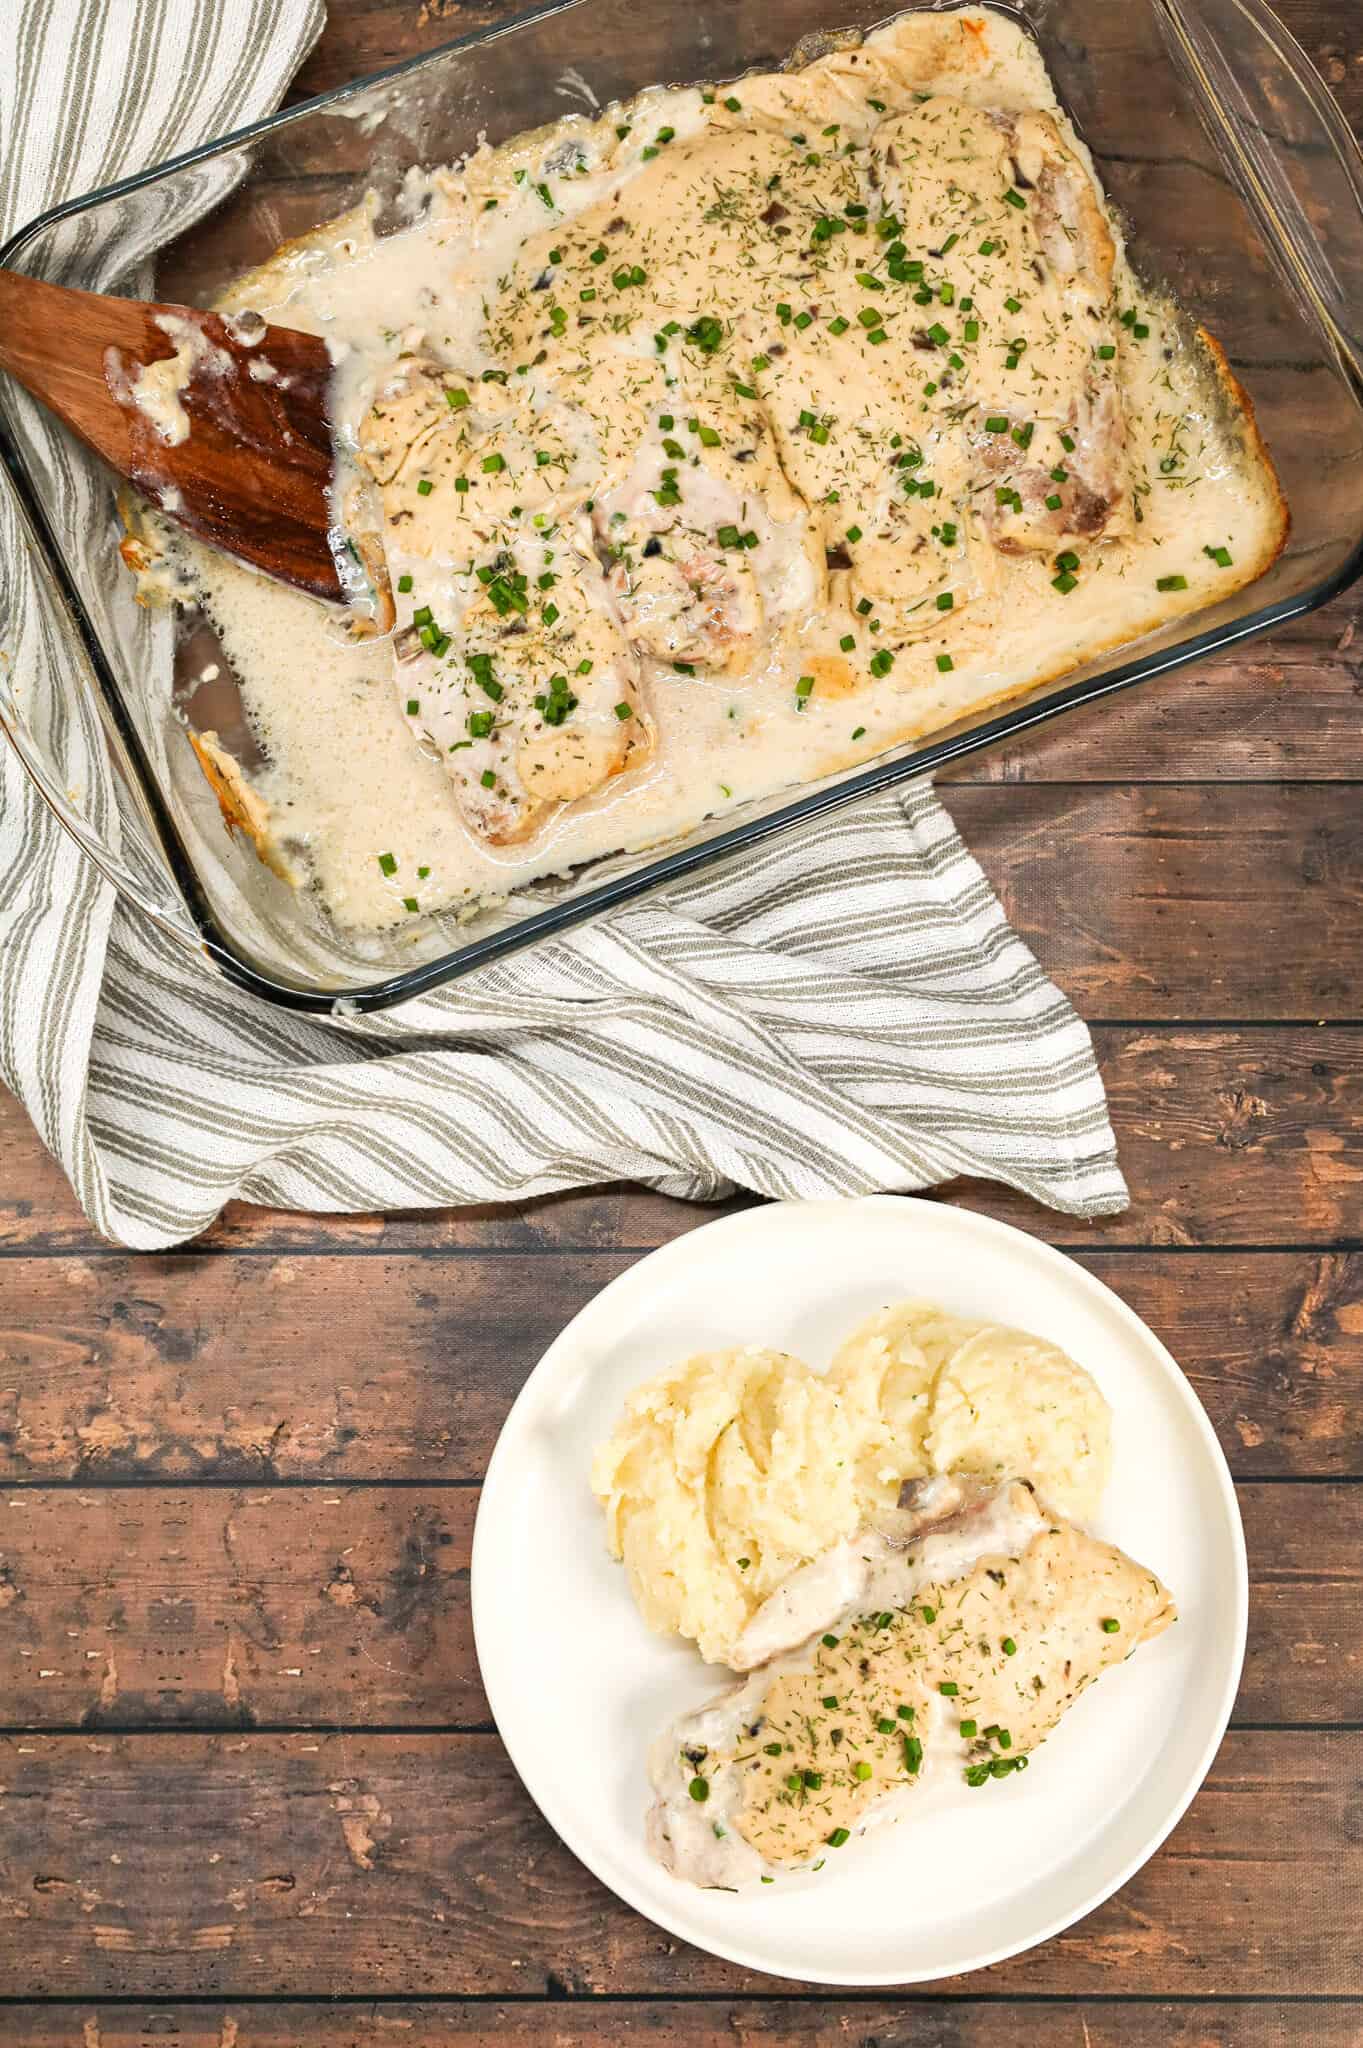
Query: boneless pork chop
x=953 y=1638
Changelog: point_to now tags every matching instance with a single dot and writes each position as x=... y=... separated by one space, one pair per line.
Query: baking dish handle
x=1290 y=150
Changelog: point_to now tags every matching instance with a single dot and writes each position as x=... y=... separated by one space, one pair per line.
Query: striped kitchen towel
x=846 y=1011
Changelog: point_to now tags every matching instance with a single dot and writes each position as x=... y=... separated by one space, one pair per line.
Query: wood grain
x=251 y=1579
x=851 y=2022
x=1179 y=902
x=412 y=1864
x=257 y=1370
x=213 y=1609
x=1227 y=1136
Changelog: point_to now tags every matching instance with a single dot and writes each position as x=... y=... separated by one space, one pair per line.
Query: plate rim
x=989 y=1227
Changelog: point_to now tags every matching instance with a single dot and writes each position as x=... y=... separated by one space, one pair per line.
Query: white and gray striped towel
x=851 y=1012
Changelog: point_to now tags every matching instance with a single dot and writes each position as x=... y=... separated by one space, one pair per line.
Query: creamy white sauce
x=359 y=783
x=156 y=390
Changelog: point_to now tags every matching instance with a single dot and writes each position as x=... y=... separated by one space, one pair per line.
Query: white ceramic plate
x=579 y=1686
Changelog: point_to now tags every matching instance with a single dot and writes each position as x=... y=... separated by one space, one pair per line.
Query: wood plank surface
x=318 y=1864
x=1135 y=897
x=1248 y=1135
x=772 y=2022
x=216 y=1609
x=237 y=1484
x=269 y=1369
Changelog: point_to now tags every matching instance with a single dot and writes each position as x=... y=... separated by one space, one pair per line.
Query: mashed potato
x=885 y=1373
x=722 y=1477
x=1007 y=1405
x=731 y=1470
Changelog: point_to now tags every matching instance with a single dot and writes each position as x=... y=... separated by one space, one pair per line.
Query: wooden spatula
x=241 y=453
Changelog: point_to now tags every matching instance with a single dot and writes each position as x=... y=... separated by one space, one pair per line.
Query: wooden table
x=249 y=1792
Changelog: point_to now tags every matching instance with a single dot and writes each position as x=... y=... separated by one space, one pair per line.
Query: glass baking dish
x=1241 y=190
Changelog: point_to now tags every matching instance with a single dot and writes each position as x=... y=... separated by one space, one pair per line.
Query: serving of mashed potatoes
x=729 y=1471
x=723 y=1476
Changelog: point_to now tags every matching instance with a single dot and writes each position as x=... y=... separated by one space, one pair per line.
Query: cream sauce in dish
x=719 y=443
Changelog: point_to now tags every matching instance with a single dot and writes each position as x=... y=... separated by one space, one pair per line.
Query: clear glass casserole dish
x=1241 y=191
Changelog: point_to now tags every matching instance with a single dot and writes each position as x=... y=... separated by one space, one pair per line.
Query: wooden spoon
x=233 y=440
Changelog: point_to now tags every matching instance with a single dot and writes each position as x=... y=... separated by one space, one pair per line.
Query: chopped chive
x=839 y=326
x=1107 y=352
x=830 y=1642
x=948 y=1688
x=996 y=424
x=838 y=1837
x=861 y=1772
x=854 y=534
x=1221 y=556
x=1171 y=583
x=424 y=487
x=699 y=1788
x=881 y=662
x=848 y=642
x=859 y=732
x=945 y=600
x=734 y=106
x=1054 y=502
x=945 y=663
x=831 y=1702
x=410 y=903
x=387 y=864
x=913 y=1755
x=1110 y=1628
x=1064 y=583
x=624 y=711
x=1009 y=1647
x=488 y=779
x=813 y=1780
x=929 y=1615
x=968 y=1728
x=1012 y=197
x=404 y=584
x=413 y=706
